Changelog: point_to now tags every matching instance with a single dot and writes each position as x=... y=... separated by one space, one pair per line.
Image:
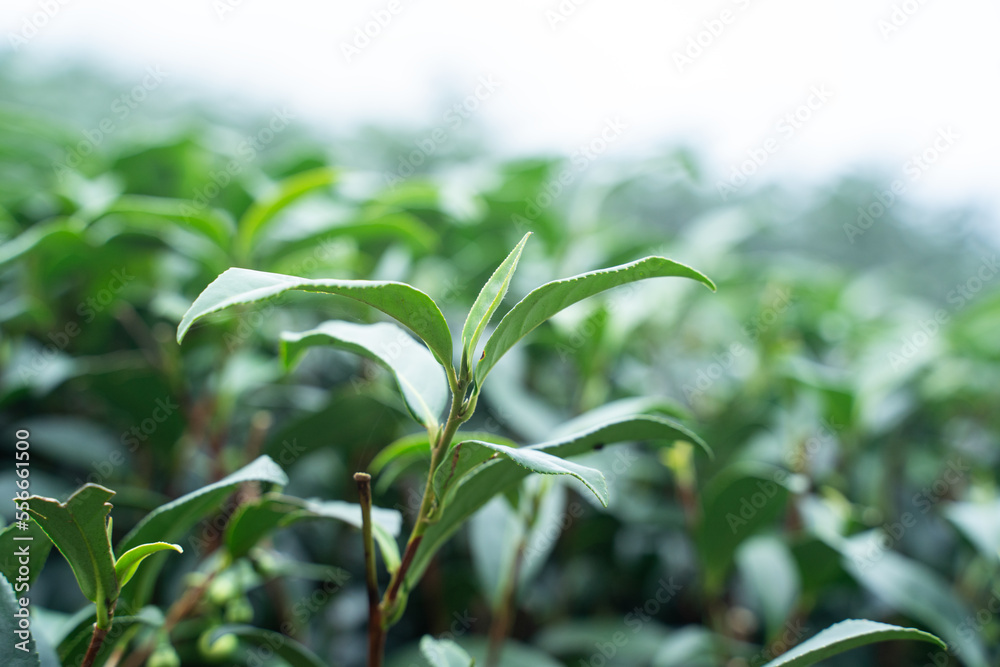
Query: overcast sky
x=865 y=81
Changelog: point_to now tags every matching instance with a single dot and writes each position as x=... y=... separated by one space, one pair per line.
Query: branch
x=376 y=631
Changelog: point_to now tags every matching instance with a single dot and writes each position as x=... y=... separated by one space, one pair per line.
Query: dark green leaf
x=78 y=528
x=39 y=547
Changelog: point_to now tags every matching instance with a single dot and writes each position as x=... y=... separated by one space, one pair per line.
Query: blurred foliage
x=848 y=384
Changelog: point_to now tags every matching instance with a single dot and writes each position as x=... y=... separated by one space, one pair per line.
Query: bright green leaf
x=489 y=300
x=545 y=301
x=129 y=561
x=420 y=378
x=845 y=636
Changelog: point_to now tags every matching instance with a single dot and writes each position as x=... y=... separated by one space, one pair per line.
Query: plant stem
x=376 y=629
x=503 y=615
x=96 y=640
x=456 y=416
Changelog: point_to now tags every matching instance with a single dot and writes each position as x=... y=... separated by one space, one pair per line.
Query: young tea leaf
x=129 y=561
x=420 y=378
x=844 y=636
x=408 y=305
x=545 y=301
x=489 y=300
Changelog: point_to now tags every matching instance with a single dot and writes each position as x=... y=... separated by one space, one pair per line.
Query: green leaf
x=10 y=654
x=129 y=561
x=489 y=300
x=286 y=648
x=471 y=453
x=420 y=378
x=261 y=212
x=78 y=529
x=545 y=301
x=174 y=519
x=631 y=428
x=444 y=653
x=206 y=222
x=406 y=304
x=255 y=520
x=472 y=489
x=169 y=522
x=38 y=552
x=843 y=637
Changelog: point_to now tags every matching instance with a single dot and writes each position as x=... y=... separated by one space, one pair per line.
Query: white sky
x=890 y=95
